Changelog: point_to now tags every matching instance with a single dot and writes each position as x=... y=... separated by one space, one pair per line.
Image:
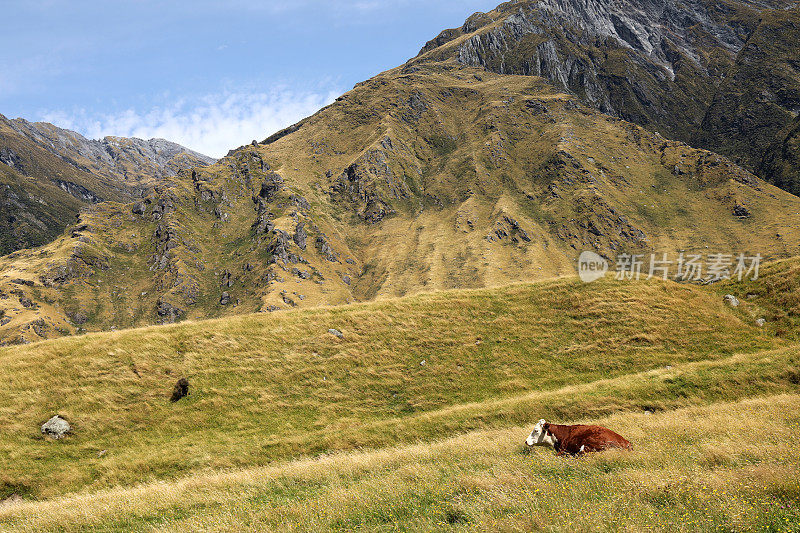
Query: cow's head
x=541 y=436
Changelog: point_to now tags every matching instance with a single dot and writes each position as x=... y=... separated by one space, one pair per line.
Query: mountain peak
x=719 y=75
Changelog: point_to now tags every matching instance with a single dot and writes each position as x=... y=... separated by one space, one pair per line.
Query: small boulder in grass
x=336 y=333
x=56 y=427
x=181 y=390
x=732 y=300
x=761 y=322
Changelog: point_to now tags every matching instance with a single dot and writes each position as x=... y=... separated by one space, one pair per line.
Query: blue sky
x=210 y=74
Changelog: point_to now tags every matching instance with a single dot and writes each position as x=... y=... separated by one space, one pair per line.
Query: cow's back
x=583 y=438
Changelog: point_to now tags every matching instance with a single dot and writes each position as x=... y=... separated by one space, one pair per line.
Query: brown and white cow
x=575 y=440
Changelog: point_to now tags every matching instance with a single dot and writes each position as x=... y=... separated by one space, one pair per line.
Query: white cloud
x=212 y=124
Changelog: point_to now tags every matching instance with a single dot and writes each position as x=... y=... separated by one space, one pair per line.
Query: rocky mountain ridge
x=128 y=164
x=718 y=75
x=49 y=173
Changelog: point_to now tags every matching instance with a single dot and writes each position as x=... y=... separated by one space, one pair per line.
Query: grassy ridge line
x=694 y=469
x=269 y=388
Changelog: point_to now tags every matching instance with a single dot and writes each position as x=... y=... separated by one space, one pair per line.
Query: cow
x=575 y=440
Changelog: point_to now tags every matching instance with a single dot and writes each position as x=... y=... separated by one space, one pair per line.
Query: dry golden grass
x=273 y=387
x=724 y=467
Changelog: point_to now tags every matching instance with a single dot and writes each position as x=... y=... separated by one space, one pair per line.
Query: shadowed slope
x=65 y=171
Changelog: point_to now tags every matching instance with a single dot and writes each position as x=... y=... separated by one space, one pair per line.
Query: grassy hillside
x=775 y=296
x=693 y=469
x=267 y=387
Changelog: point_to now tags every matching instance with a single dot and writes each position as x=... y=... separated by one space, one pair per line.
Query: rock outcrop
x=180 y=391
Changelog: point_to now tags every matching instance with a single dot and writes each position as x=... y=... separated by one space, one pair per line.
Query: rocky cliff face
x=48 y=174
x=721 y=75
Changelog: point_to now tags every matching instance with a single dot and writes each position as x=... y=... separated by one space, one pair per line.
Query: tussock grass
x=724 y=467
x=273 y=387
x=774 y=296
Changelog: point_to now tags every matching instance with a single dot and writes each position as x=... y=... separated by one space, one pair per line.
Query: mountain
x=48 y=174
x=430 y=176
x=498 y=154
x=721 y=75
x=446 y=203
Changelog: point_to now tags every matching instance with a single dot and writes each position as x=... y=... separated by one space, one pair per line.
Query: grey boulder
x=56 y=427
x=732 y=300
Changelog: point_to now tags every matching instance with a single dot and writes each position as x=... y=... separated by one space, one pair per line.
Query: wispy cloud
x=212 y=124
